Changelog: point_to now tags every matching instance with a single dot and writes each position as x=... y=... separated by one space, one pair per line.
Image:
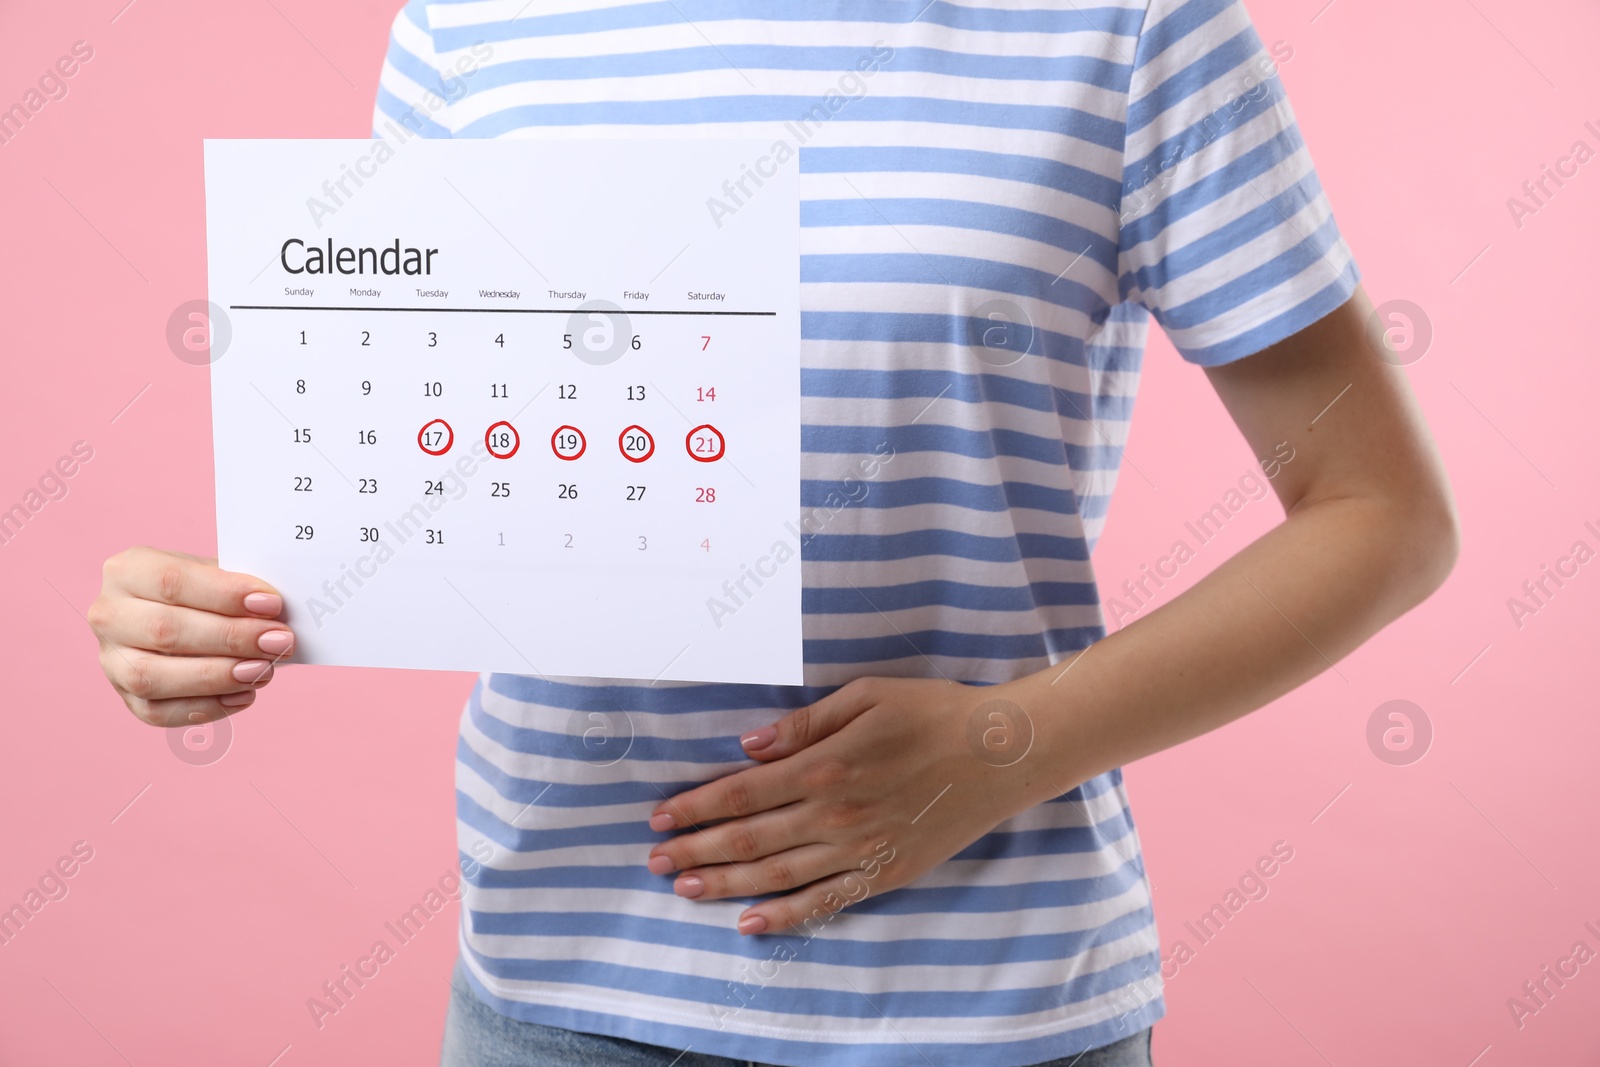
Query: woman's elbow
x=1431 y=538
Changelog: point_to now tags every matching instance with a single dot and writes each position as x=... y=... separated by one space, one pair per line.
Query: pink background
x=221 y=899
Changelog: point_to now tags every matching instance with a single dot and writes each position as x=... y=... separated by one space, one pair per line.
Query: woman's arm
x=1370 y=532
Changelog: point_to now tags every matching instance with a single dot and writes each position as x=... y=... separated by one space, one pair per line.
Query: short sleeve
x=412 y=91
x=1226 y=236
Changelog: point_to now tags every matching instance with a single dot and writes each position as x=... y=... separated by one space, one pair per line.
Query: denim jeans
x=475 y=1035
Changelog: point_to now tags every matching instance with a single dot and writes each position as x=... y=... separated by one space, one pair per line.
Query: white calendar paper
x=523 y=406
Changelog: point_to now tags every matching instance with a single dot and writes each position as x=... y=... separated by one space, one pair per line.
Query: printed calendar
x=528 y=406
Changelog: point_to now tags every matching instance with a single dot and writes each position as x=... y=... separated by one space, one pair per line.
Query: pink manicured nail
x=251 y=670
x=268 y=604
x=661 y=865
x=689 y=886
x=752 y=924
x=662 y=822
x=237 y=700
x=276 y=642
x=756 y=740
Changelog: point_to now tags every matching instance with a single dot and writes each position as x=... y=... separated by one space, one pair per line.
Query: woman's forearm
x=1281 y=611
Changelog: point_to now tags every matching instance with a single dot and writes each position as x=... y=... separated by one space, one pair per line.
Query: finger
x=189 y=711
x=172 y=578
x=777 y=873
x=735 y=796
x=806 y=726
x=188 y=631
x=738 y=841
x=812 y=908
x=150 y=676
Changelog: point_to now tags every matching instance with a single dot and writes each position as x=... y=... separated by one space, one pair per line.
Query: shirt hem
x=901 y=1048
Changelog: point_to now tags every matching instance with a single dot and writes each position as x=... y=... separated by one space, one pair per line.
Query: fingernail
x=662 y=822
x=268 y=604
x=752 y=924
x=756 y=740
x=276 y=642
x=251 y=670
x=689 y=886
x=661 y=865
x=237 y=700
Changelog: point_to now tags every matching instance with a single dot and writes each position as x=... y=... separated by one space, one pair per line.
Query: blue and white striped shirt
x=996 y=197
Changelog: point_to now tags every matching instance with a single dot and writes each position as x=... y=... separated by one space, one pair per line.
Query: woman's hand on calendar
x=857 y=794
x=183 y=641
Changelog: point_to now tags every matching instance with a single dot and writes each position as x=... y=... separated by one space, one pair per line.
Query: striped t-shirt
x=996 y=197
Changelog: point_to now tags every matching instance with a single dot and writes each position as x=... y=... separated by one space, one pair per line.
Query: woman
x=925 y=855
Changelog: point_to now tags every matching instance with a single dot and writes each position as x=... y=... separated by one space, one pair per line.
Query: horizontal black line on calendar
x=497 y=311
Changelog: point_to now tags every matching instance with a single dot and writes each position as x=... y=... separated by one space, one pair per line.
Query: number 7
x=707 y=339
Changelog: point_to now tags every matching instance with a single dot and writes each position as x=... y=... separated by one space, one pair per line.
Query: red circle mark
x=516 y=440
x=583 y=442
x=722 y=444
x=623 y=437
x=448 y=441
